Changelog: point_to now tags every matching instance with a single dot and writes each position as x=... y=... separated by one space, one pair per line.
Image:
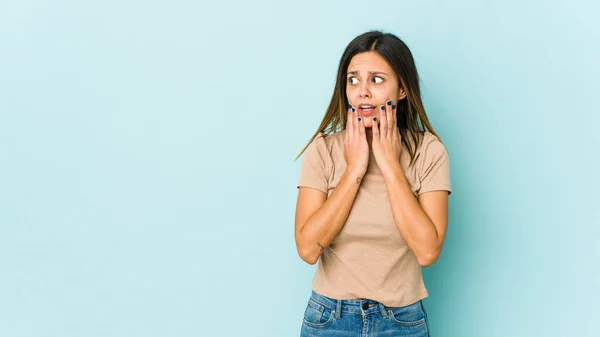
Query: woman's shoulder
x=432 y=164
x=430 y=153
x=330 y=140
x=326 y=145
x=429 y=142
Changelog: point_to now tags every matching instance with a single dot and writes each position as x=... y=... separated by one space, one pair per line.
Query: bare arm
x=319 y=219
x=423 y=222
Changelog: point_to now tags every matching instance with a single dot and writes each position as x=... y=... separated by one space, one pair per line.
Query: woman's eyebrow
x=370 y=72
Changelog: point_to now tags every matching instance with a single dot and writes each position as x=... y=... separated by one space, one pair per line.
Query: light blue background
x=147 y=174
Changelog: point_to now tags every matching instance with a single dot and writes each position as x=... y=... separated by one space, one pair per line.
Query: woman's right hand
x=356 y=148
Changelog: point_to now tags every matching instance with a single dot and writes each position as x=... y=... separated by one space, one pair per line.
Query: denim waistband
x=354 y=306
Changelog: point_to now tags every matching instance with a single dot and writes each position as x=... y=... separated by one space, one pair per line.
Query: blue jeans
x=328 y=317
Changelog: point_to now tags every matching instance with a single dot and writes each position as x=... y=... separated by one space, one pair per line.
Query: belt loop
x=383 y=310
x=338 y=309
x=424 y=311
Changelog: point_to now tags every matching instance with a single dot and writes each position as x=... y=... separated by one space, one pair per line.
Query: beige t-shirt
x=368 y=258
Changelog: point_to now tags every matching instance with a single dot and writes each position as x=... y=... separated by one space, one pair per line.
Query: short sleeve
x=315 y=165
x=434 y=166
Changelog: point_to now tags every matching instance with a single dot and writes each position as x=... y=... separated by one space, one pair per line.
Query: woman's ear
x=402 y=94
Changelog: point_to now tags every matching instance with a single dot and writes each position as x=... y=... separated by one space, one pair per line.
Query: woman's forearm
x=412 y=222
x=323 y=226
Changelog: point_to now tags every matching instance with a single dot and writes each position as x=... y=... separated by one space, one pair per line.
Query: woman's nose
x=364 y=91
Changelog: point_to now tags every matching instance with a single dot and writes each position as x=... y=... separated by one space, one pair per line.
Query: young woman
x=373 y=193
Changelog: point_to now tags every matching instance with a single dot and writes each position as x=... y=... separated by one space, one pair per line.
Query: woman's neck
x=369 y=134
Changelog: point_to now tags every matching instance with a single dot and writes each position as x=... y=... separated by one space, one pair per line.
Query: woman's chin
x=368 y=123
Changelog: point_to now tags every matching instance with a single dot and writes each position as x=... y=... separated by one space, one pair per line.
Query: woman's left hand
x=387 y=141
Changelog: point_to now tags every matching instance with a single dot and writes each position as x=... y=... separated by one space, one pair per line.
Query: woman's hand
x=387 y=144
x=356 y=148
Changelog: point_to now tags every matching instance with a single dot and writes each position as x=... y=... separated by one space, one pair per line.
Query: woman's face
x=371 y=82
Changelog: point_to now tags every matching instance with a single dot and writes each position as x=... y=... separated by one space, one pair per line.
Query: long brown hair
x=411 y=117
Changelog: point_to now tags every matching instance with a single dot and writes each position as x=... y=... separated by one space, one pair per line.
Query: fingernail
x=393 y=106
x=353 y=110
x=359 y=119
x=389 y=102
x=349 y=105
x=375 y=118
x=382 y=107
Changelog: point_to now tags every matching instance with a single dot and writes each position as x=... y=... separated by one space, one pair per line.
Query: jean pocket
x=412 y=314
x=317 y=315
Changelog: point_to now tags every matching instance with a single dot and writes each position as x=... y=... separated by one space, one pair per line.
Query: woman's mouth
x=366 y=109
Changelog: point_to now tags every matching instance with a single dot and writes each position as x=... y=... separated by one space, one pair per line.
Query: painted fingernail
x=359 y=119
x=394 y=107
x=383 y=107
x=375 y=118
x=353 y=110
x=389 y=102
x=349 y=105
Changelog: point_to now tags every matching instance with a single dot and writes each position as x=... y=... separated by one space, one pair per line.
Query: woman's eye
x=375 y=79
